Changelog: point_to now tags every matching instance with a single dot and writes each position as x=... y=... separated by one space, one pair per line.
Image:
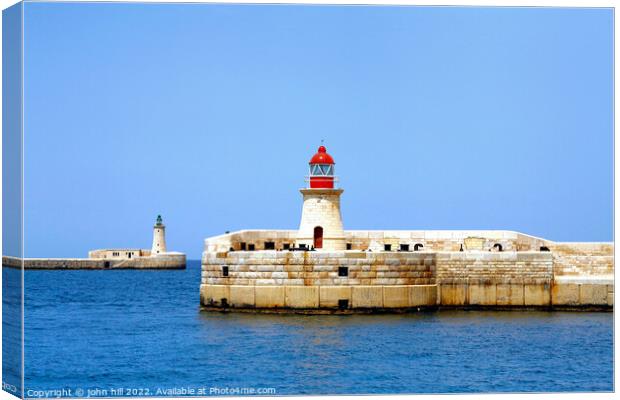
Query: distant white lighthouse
x=159 y=237
x=321 y=222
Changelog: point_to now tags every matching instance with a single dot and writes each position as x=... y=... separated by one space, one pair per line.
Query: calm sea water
x=142 y=331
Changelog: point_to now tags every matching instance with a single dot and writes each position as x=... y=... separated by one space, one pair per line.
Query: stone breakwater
x=173 y=261
x=542 y=274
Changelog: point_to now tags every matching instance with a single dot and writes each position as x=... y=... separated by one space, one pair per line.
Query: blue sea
x=141 y=333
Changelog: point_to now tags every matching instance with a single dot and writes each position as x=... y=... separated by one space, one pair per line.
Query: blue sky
x=438 y=118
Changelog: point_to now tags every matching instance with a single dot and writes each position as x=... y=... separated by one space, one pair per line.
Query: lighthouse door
x=318 y=237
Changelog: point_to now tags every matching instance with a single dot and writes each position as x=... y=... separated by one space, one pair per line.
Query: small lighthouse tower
x=159 y=237
x=321 y=222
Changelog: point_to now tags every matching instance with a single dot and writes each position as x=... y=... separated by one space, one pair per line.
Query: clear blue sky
x=438 y=118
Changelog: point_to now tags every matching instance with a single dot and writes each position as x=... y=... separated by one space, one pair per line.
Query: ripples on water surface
x=142 y=329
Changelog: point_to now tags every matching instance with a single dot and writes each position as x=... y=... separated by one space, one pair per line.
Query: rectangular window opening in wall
x=224 y=302
x=251 y=247
x=343 y=304
x=404 y=247
x=343 y=271
x=270 y=246
x=225 y=270
x=387 y=247
x=286 y=246
x=242 y=246
x=349 y=246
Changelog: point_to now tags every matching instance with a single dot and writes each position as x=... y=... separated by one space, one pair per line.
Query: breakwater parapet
x=169 y=261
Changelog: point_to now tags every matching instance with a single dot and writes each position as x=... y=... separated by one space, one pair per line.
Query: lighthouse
x=159 y=237
x=321 y=222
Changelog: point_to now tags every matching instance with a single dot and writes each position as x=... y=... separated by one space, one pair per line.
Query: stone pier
x=494 y=270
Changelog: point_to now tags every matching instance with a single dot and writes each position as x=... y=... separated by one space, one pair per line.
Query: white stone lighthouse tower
x=321 y=222
x=159 y=237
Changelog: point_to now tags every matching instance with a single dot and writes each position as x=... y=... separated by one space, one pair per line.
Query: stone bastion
x=395 y=271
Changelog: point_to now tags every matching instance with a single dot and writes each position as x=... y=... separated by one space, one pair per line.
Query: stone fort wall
x=168 y=261
x=438 y=275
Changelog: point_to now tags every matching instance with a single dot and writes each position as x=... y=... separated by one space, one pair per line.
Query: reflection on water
x=143 y=329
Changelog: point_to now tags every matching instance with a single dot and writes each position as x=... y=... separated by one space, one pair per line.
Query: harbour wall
x=576 y=276
x=173 y=261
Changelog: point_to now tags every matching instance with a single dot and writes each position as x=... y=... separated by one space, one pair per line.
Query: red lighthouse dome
x=322 y=170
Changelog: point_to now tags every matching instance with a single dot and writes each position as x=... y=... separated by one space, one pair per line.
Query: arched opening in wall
x=417 y=246
x=498 y=247
x=318 y=237
x=544 y=248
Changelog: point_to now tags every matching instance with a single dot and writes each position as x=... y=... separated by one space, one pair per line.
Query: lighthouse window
x=286 y=246
x=242 y=246
x=404 y=247
x=251 y=247
x=322 y=169
x=417 y=246
x=343 y=271
x=387 y=247
x=225 y=270
x=270 y=246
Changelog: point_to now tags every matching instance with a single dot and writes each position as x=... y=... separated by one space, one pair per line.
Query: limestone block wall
x=523 y=271
x=318 y=298
x=582 y=294
x=495 y=279
x=390 y=280
x=495 y=267
x=317 y=268
x=56 y=263
x=168 y=261
x=583 y=259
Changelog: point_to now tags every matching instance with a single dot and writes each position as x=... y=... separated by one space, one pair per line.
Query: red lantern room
x=322 y=170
